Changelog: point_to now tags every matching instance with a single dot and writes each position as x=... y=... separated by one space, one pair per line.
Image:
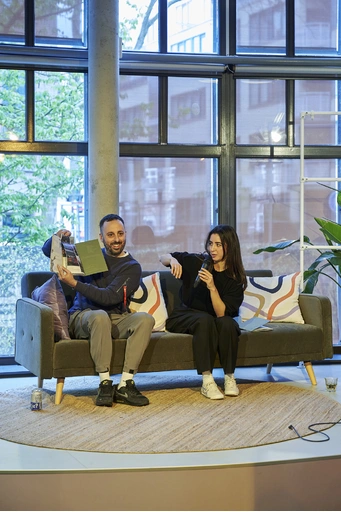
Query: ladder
x=303 y=181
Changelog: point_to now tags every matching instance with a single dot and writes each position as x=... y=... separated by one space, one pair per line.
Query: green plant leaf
x=310 y=278
x=281 y=245
x=331 y=230
x=332 y=258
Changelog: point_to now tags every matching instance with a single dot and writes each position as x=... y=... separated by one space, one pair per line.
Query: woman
x=210 y=299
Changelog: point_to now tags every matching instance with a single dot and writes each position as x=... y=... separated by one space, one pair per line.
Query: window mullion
x=29 y=22
x=30 y=105
x=290 y=29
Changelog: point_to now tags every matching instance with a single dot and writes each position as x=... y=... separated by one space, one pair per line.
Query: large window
x=210 y=101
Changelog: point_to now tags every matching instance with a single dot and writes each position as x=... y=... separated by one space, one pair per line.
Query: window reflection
x=192 y=107
x=139 y=22
x=317 y=96
x=59 y=23
x=171 y=200
x=260 y=111
x=261 y=26
x=138 y=108
x=316 y=26
x=268 y=210
x=12 y=22
x=192 y=26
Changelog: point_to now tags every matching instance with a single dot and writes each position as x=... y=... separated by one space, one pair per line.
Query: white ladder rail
x=303 y=180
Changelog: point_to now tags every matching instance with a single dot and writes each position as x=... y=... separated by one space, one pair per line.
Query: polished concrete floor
x=21 y=458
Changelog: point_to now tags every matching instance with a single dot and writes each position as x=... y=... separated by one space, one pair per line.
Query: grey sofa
x=36 y=350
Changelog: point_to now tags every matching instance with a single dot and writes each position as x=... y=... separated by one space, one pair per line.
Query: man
x=101 y=312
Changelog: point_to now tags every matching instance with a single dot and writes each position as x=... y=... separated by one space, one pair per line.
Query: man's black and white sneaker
x=130 y=395
x=105 y=393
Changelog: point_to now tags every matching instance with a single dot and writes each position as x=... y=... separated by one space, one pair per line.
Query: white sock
x=207 y=378
x=125 y=376
x=104 y=376
x=231 y=375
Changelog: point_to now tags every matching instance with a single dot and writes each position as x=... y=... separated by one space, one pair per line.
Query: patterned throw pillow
x=51 y=294
x=273 y=298
x=149 y=298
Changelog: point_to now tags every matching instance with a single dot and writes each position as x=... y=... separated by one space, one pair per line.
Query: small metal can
x=36 y=400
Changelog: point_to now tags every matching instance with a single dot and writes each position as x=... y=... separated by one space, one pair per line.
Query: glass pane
x=12 y=105
x=38 y=194
x=317 y=96
x=261 y=27
x=260 y=112
x=59 y=106
x=192 y=110
x=268 y=211
x=167 y=205
x=12 y=21
x=316 y=27
x=139 y=25
x=139 y=100
x=193 y=26
x=59 y=23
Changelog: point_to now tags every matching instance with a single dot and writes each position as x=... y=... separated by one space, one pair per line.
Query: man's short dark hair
x=109 y=218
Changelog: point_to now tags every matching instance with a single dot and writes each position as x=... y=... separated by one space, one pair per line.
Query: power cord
x=326 y=437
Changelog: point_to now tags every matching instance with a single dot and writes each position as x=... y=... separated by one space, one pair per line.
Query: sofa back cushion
x=273 y=298
x=169 y=285
x=149 y=298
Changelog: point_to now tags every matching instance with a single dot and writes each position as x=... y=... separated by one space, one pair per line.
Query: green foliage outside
x=31 y=185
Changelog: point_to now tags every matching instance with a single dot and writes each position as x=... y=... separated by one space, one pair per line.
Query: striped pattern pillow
x=148 y=298
x=273 y=298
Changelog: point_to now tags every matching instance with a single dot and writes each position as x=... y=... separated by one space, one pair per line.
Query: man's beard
x=117 y=251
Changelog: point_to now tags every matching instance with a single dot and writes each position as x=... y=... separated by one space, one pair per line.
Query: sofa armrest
x=317 y=310
x=34 y=337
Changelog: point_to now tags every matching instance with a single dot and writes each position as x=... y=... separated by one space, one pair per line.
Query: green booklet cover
x=82 y=259
x=91 y=257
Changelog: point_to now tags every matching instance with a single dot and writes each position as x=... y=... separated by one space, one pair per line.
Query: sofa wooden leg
x=310 y=372
x=59 y=390
x=40 y=382
x=269 y=368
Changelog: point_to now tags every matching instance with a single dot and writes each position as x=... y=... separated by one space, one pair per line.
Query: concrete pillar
x=103 y=82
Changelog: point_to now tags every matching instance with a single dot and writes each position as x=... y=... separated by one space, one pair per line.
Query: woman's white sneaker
x=231 y=388
x=211 y=390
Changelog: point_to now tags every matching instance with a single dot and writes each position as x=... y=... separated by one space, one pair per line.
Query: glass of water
x=331 y=383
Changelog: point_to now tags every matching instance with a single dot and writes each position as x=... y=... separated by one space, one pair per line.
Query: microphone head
x=206 y=264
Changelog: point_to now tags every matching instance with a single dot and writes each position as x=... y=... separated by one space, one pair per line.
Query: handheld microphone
x=205 y=265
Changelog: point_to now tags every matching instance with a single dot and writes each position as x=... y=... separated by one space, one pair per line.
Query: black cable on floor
x=326 y=437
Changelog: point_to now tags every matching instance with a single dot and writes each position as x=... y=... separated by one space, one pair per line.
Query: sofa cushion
x=149 y=298
x=274 y=298
x=51 y=294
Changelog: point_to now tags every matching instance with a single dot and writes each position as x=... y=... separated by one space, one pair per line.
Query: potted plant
x=327 y=258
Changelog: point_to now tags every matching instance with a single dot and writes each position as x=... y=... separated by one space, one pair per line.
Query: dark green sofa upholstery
x=36 y=350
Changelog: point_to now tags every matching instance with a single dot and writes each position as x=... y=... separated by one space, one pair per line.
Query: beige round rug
x=177 y=420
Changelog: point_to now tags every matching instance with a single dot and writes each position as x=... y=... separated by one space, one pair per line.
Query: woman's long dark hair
x=231 y=251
